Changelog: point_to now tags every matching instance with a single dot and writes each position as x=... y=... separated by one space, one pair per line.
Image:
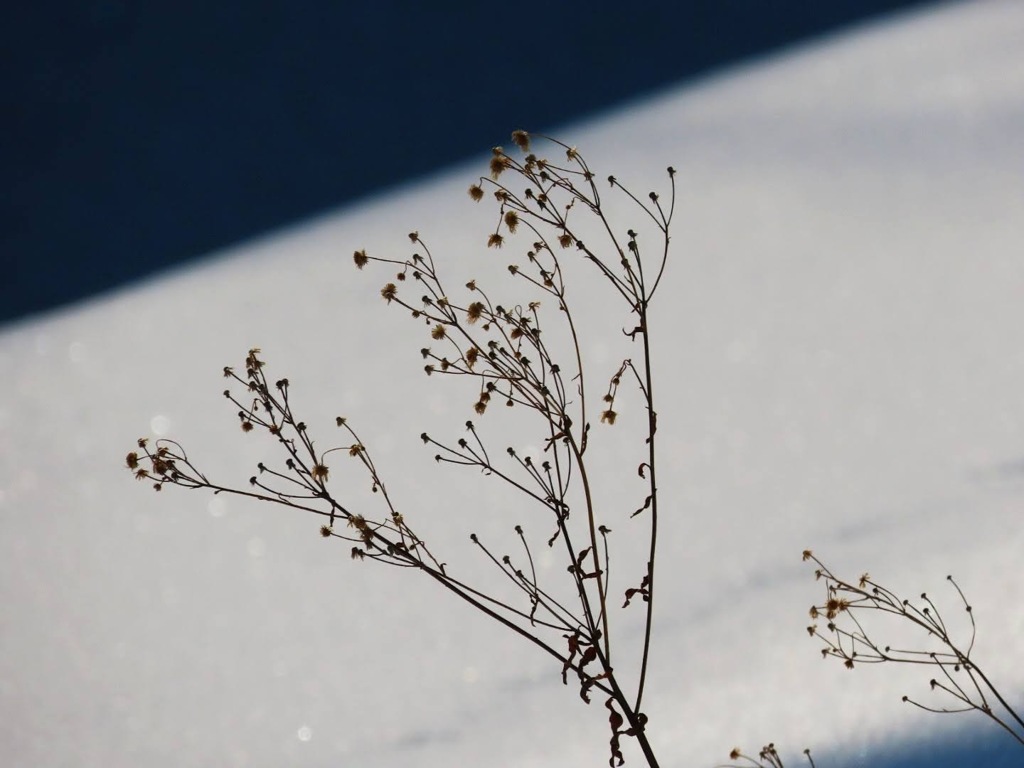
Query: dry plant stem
x=504 y=351
x=848 y=601
x=651 y=472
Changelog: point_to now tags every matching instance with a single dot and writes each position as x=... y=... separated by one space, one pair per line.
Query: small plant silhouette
x=846 y=637
x=528 y=355
x=958 y=675
x=511 y=351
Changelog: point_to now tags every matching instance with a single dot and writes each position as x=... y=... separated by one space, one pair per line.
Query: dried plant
x=847 y=638
x=957 y=674
x=529 y=355
x=511 y=351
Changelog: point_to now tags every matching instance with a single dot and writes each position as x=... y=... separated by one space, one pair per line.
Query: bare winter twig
x=505 y=349
x=847 y=636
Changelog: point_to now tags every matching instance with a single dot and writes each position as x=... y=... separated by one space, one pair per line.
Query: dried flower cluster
x=504 y=348
x=300 y=482
x=846 y=636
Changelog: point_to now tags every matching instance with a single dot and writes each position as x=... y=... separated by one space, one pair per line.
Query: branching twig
x=505 y=350
x=958 y=674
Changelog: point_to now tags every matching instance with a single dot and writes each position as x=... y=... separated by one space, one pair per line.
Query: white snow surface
x=840 y=348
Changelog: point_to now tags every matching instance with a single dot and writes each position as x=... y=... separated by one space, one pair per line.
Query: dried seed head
x=499 y=163
x=389 y=292
x=835 y=605
x=437 y=332
x=476 y=192
x=360 y=258
x=511 y=221
x=521 y=139
x=495 y=241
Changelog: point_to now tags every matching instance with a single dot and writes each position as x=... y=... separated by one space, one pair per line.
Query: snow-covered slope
x=842 y=358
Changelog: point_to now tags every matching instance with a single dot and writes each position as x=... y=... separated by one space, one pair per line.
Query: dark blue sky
x=138 y=135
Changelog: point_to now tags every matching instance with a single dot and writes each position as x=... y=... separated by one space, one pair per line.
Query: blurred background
x=138 y=136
